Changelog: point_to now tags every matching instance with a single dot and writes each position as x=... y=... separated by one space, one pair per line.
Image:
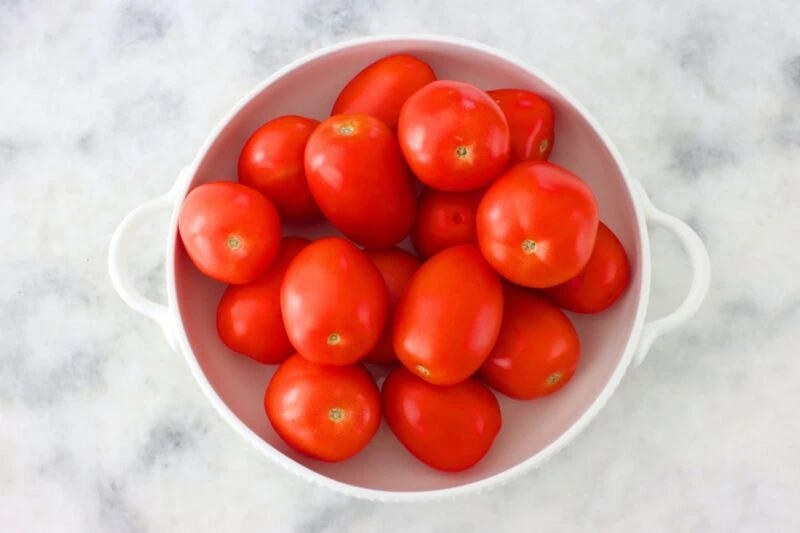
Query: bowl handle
x=118 y=266
x=701 y=270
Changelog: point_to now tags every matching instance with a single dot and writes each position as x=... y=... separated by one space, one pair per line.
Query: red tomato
x=396 y=267
x=359 y=180
x=601 y=282
x=272 y=163
x=249 y=315
x=231 y=232
x=334 y=302
x=444 y=220
x=448 y=318
x=530 y=120
x=537 y=350
x=454 y=136
x=537 y=224
x=449 y=428
x=381 y=89
x=325 y=412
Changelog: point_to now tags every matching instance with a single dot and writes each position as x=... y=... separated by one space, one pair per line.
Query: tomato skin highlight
x=531 y=123
x=444 y=220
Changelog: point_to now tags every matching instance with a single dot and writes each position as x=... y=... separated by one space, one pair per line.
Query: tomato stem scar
x=554 y=378
x=334 y=339
x=462 y=152
x=234 y=243
x=543 y=145
x=422 y=370
x=528 y=246
x=336 y=414
x=346 y=129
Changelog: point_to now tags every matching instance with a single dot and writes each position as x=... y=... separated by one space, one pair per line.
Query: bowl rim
x=306 y=473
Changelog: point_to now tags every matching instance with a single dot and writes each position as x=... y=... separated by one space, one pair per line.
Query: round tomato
x=448 y=318
x=537 y=224
x=454 y=136
x=272 y=163
x=334 y=302
x=325 y=412
x=444 y=220
x=537 y=350
x=249 y=315
x=601 y=282
x=381 y=89
x=449 y=428
x=231 y=232
x=530 y=121
x=396 y=267
x=357 y=176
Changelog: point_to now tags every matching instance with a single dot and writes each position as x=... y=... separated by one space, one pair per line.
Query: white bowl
x=532 y=431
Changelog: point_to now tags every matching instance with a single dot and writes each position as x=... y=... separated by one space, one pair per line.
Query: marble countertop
x=102 y=428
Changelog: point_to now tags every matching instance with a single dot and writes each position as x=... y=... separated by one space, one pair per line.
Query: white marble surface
x=102 y=102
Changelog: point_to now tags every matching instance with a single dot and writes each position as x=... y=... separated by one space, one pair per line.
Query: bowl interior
x=528 y=427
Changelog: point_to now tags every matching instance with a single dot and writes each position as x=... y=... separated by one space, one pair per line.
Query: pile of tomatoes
x=503 y=240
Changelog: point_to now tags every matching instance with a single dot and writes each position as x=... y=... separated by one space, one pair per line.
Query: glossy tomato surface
x=530 y=121
x=454 y=136
x=249 y=317
x=537 y=224
x=444 y=220
x=448 y=428
x=231 y=232
x=325 y=412
x=334 y=302
x=449 y=316
x=358 y=178
x=381 y=89
x=537 y=351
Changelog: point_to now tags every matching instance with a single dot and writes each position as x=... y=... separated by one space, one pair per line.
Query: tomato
x=249 y=315
x=454 y=136
x=537 y=224
x=530 y=121
x=448 y=318
x=231 y=232
x=272 y=163
x=357 y=176
x=325 y=412
x=537 y=350
x=601 y=282
x=334 y=302
x=396 y=267
x=449 y=428
x=444 y=220
x=381 y=89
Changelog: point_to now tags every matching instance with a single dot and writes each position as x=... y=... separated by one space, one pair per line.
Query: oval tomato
x=444 y=220
x=448 y=318
x=272 y=163
x=396 y=267
x=449 y=428
x=231 y=232
x=537 y=224
x=357 y=176
x=325 y=412
x=530 y=121
x=249 y=315
x=537 y=351
x=601 y=282
x=454 y=136
x=334 y=302
x=381 y=89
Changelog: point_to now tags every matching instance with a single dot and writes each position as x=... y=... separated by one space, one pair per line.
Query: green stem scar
x=543 y=146
x=528 y=246
x=336 y=414
x=462 y=152
x=234 y=243
x=346 y=129
x=334 y=339
x=554 y=378
x=424 y=371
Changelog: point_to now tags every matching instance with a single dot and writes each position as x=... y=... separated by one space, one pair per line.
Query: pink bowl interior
x=528 y=427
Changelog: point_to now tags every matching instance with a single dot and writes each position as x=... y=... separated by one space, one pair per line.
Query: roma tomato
x=601 y=282
x=325 y=412
x=249 y=315
x=334 y=302
x=396 y=267
x=530 y=121
x=381 y=89
x=448 y=318
x=358 y=178
x=231 y=232
x=454 y=136
x=449 y=428
x=537 y=224
x=444 y=220
x=537 y=350
x=272 y=163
